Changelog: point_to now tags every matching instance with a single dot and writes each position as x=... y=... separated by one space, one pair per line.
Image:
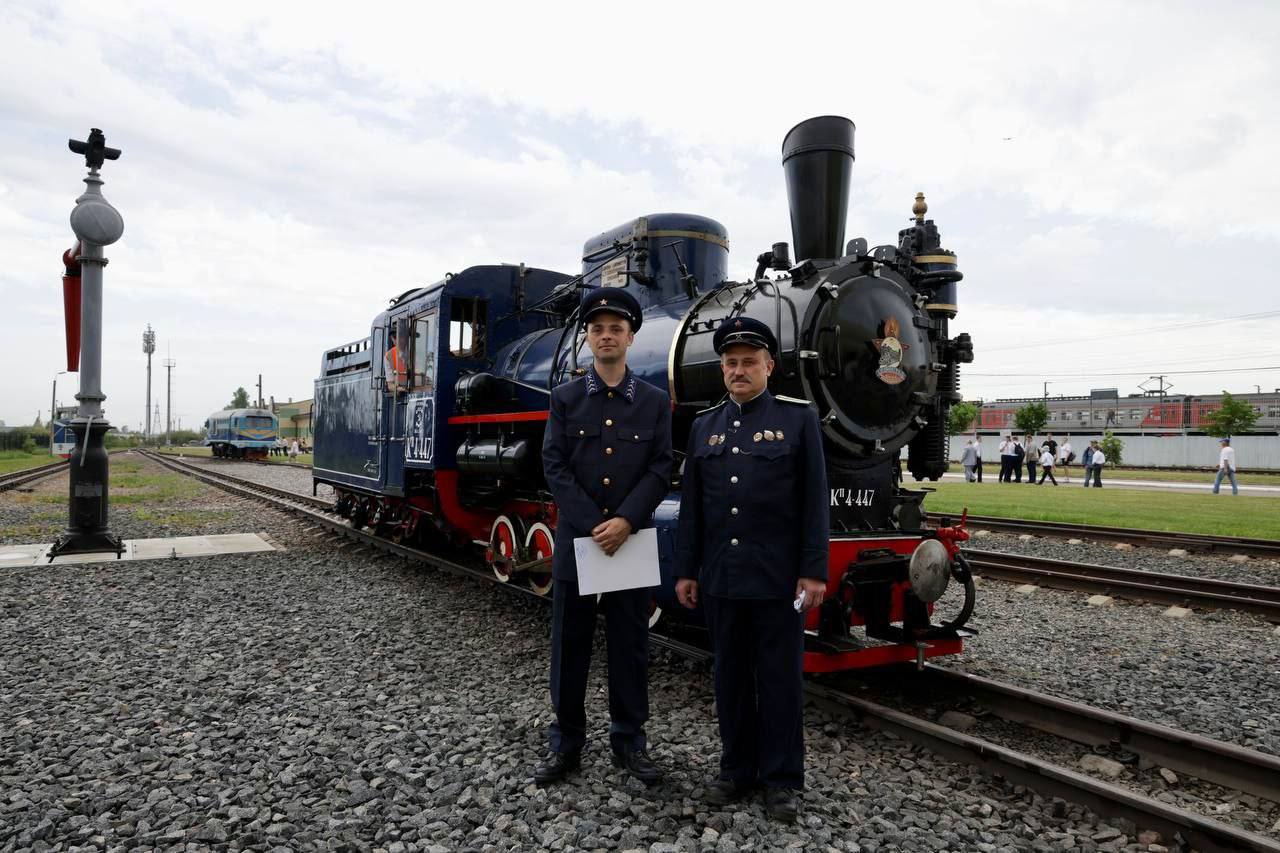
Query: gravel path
x=317 y=699
x=1254 y=570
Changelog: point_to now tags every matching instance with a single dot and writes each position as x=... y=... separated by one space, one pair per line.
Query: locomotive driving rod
x=533 y=564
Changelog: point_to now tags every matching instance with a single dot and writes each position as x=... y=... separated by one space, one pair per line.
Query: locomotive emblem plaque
x=891 y=350
x=419 y=429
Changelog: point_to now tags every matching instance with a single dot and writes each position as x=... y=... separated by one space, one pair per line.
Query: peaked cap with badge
x=614 y=300
x=744 y=330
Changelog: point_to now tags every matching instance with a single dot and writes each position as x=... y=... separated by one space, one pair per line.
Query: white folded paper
x=633 y=566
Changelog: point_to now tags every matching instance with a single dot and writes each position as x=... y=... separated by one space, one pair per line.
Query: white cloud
x=287 y=168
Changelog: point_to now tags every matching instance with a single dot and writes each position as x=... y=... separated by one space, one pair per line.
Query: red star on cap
x=738 y=325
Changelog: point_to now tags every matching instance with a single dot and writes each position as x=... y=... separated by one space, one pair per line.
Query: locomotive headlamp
x=930 y=570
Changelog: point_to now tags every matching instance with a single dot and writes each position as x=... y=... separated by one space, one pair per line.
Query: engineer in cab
x=752 y=549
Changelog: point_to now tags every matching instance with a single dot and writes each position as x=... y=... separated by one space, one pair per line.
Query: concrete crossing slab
x=174 y=548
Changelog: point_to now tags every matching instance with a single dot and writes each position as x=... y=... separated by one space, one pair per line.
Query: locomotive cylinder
x=817 y=157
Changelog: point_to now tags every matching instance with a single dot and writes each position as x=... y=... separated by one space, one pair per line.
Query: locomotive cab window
x=467 y=326
x=423 y=357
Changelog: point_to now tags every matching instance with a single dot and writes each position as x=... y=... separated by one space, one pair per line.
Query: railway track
x=249 y=461
x=1132 y=584
x=1220 y=763
x=17 y=478
x=1199 y=542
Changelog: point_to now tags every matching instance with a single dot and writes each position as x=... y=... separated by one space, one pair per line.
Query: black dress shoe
x=639 y=765
x=557 y=766
x=722 y=792
x=781 y=804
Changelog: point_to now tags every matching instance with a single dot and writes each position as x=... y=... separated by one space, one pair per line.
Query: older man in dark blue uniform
x=753 y=550
x=607 y=459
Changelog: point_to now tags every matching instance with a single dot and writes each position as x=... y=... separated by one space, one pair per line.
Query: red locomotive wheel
x=540 y=543
x=502 y=554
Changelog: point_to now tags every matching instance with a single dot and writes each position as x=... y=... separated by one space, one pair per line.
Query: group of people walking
x=1017 y=453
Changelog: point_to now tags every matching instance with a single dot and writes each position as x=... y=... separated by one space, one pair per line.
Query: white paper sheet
x=632 y=566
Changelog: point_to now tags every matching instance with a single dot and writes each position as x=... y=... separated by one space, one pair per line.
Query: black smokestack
x=817 y=157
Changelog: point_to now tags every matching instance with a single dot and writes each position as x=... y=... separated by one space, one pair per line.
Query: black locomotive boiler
x=445 y=429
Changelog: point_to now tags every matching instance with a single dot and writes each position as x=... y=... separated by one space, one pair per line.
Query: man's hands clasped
x=610 y=535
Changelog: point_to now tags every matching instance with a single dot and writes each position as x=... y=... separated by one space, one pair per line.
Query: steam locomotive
x=431 y=427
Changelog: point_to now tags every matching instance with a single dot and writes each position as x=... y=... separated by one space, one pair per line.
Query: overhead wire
x=1192 y=324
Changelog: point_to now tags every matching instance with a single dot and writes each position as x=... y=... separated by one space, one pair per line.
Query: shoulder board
x=709 y=409
x=794 y=400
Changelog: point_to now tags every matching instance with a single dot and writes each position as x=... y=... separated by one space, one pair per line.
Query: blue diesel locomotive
x=432 y=425
x=241 y=433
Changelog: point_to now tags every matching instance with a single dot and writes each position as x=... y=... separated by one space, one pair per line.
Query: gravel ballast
x=315 y=698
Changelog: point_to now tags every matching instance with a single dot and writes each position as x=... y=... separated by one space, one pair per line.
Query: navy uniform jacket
x=754 y=514
x=606 y=454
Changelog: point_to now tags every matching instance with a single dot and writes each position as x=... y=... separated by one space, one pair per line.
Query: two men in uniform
x=752 y=549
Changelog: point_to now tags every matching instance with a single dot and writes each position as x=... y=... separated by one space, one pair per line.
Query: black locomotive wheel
x=359 y=514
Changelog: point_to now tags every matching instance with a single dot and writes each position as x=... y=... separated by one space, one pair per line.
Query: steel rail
x=1206 y=759
x=17 y=478
x=198 y=458
x=1132 y=584
x=1103 y=799
x=1200 y=542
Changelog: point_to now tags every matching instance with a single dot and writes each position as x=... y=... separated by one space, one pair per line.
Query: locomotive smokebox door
x=861 y=499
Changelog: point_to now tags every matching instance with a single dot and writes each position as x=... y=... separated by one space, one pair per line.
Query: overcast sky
x=1104 y=171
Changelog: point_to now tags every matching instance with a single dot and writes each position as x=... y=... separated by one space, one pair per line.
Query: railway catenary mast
x=454 y=438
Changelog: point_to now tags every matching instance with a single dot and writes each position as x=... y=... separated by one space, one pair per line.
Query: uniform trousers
x=573 y=628
x=759 y=659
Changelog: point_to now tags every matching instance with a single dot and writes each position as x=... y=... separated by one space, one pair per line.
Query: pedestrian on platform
x=1019 y=453
x=607 y=459
x=1032 y=458
x=1065 y=457
x=1007 y=460
x=1095 y=464
x=752 y=550
x=293 y=450
x=1046 y=465
x=969 y=459
x=1087 y=462
x=1226 y=466
x=977 y=447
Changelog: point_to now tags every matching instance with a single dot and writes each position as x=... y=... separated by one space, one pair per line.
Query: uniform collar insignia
x=627 y=386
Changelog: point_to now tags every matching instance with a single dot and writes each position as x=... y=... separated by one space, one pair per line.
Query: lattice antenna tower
x=149 y=347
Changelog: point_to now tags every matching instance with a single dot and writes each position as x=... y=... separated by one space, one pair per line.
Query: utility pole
x=96 y=225
x=259 y=390
x=148 y=346
x=1160 y=389
x=169 y=365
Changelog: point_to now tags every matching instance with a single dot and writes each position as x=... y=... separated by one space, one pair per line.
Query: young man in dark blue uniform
x=607 y=459
x=752 y=550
